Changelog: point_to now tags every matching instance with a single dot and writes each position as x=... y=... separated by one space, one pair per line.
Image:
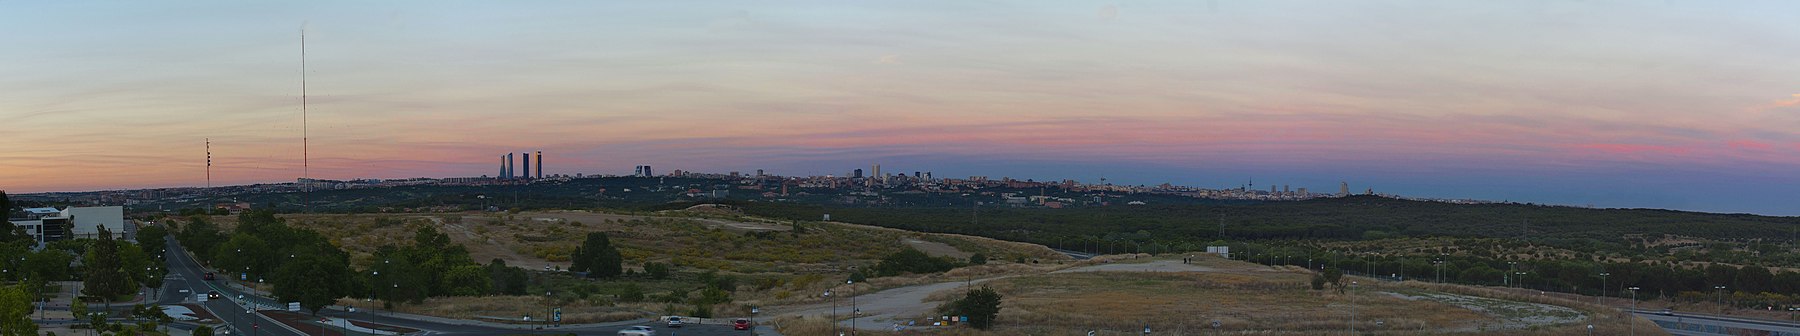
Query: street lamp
x=1352 y=308
x=833 y=311
x=1602 y=286
x=1511 y=266
x=854 y=311
x=1633 y=316
x=1720 y=289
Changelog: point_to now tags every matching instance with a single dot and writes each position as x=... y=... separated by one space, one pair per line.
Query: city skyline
x=1615 y=104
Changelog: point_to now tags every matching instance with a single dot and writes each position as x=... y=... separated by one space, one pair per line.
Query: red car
x=741 y=324
x=207 y=276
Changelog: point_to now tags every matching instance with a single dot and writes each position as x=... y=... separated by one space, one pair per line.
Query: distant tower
x=1343 y=188
x=540 y=164
x=759 y=173
x=856 y=173
x=502 y=173
x=876 y=173
x=208 y=166
x=527 y=173
x=510 y=166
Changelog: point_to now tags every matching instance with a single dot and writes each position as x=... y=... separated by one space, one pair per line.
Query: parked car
x=208 y=276
x=637 y=331
x=675 y=322
x=740 y=324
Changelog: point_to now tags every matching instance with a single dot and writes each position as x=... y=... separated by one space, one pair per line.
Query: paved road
x=1682 y=323
x=185 y=273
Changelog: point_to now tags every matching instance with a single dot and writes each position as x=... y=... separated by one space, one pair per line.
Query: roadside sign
x=200 y=297
x=244 y=276
x=556 y=315
x=293 y=306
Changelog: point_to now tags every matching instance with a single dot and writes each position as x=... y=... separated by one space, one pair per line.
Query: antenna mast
x=305 y=143
x=209 y=162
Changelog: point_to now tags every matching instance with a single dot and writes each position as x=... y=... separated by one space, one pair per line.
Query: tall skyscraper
x=527 y=173
x=1343 y=188
x=540 y=164
x=502 y=173
x=876 y=173
x=856 y=173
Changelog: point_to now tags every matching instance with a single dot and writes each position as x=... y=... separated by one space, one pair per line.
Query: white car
x=675 y=322
x=637 y=331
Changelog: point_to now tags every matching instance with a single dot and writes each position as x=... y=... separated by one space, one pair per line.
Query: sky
x=1682 y=105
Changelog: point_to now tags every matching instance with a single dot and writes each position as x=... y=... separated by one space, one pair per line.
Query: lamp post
x=1602 y=286
x=1352 y=308
x=1511 y=266
x=1720 y=290
x=834 y=321
x=1633 y=316
x=855 y=312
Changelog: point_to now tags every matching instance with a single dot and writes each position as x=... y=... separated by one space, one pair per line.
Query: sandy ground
x=937 y=249
x=881 y=310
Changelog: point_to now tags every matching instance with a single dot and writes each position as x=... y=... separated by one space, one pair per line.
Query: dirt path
x=483 y=249
x=882 y=309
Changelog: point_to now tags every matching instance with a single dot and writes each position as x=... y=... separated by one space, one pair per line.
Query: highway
x=1683 y=323
x=186 y=273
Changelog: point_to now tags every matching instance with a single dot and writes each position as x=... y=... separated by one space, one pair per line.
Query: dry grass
x=512 y=308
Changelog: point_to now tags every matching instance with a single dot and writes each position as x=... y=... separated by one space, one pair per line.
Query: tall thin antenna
x=305 y=143
x=209 y=162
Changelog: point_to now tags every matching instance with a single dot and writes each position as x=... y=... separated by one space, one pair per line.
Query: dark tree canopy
x=597 y=257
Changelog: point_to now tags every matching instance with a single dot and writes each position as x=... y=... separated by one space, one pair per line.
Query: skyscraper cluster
x=508 y=170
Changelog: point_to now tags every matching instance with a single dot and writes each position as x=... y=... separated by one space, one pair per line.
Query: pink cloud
x=1750 y=144
x=1634 y=148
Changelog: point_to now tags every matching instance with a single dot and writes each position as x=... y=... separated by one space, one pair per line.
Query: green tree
x=468 y=280
x=314 y=277
x=202 y=238
x=150 y=238
x=203 y=331
x=506 y=280
x=597 y=257
x=978 y=259
x=631 y=292
x=105 y=277
x=1336 y=277
x=15 y=311
x=981 y=305
x=49 y=265
x=656 y=270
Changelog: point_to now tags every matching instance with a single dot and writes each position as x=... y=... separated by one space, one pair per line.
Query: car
x=212 y=295
x=675 y=322
x=637 y=331
x=1666 y=312
x=740 y=324
x=208 y=276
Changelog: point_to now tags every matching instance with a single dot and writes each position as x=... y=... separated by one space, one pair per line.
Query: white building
x=89 y=220
x=45 y=225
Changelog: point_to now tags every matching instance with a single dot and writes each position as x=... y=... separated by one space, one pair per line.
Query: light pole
x=1511 y=266
x=1602 y=286
x=1629 y=318
x=1352 y=307
x=1720 y=290
x=834 y=321
x=854 y=311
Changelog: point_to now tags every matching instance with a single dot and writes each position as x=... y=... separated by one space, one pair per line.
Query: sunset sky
x=1687 y=105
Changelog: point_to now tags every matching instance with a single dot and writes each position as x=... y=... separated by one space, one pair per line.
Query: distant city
x=858 y=181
